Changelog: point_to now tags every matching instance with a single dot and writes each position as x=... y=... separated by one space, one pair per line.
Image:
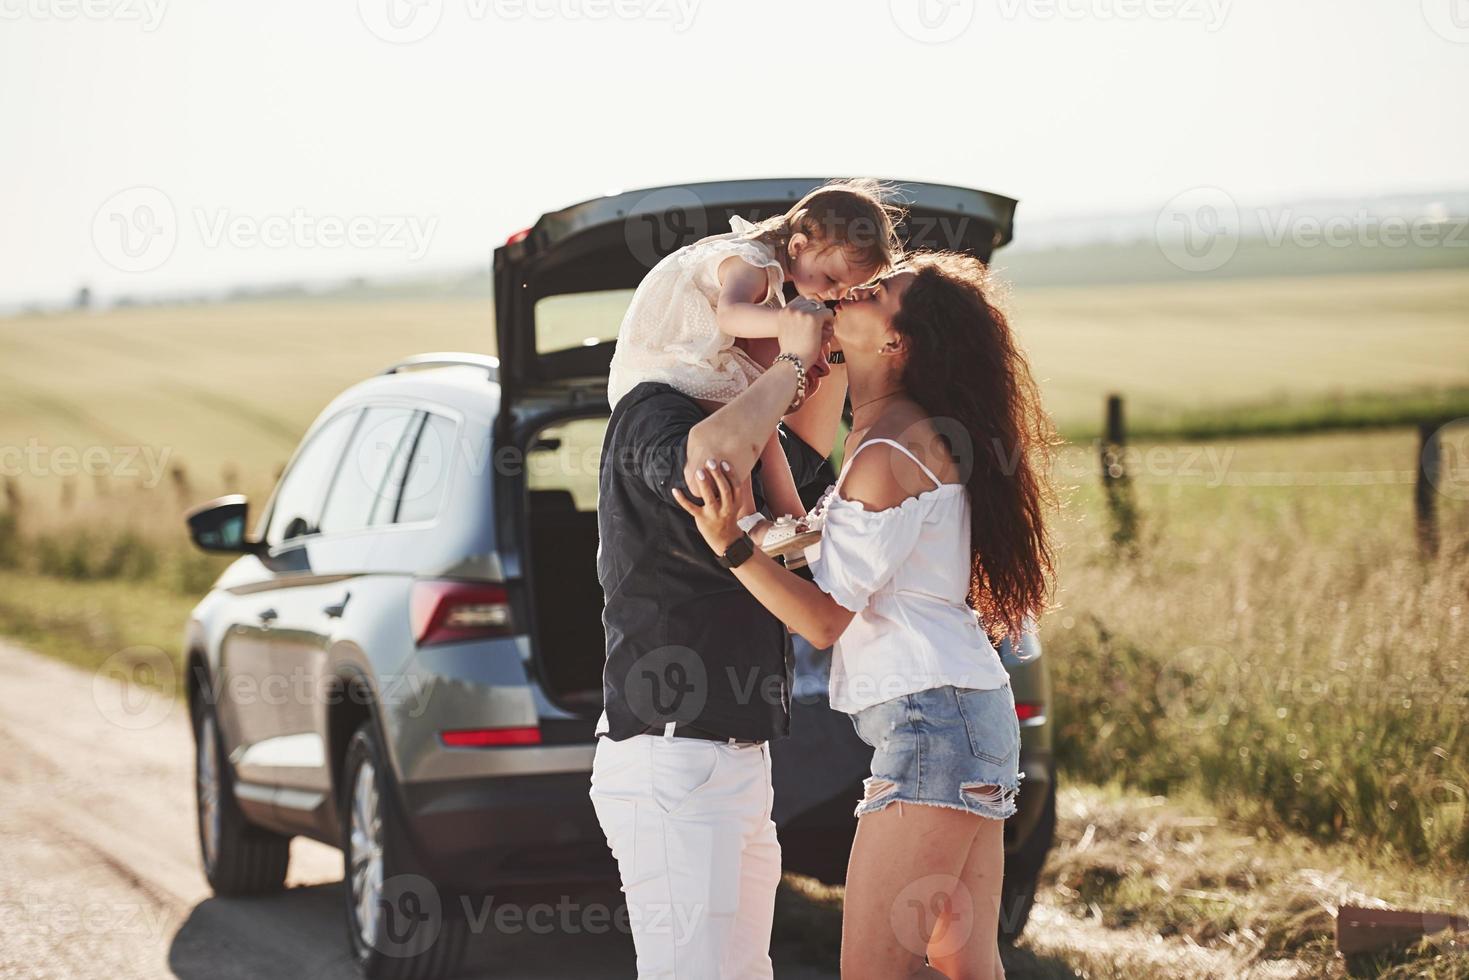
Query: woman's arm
x=876 y=480
x=799 y=604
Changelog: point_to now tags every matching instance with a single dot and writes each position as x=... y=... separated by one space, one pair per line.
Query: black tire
x=1023 y=872
x=399 y=925
x=239 y=857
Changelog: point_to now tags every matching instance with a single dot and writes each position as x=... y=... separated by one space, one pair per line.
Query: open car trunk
x=561 y=561
x=561 y=287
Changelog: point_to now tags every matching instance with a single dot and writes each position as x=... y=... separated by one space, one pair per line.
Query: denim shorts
x=947 y=746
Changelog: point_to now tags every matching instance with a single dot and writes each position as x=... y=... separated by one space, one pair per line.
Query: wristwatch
x=738 y=553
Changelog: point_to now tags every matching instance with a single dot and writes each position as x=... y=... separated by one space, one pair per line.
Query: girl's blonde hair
x=857 y=216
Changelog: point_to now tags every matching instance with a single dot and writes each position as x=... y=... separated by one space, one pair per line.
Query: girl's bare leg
x=781 y=496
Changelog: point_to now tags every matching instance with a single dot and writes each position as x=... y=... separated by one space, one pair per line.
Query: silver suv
x=406 y=659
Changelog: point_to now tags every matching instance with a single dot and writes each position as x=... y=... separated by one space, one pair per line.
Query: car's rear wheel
x=399 y=926
x=1023 y=872
x=239 y=858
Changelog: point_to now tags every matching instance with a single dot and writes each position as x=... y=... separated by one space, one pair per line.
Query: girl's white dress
x=670 y=333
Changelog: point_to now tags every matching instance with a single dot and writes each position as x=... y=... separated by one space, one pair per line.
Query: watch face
x=736 y=554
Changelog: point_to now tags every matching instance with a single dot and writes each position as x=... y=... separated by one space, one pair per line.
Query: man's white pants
x=689 y=823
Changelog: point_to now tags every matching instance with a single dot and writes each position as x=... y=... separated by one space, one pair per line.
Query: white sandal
x=789 y=537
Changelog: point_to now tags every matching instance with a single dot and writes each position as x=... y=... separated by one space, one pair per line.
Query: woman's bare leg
x=910 y=892
x=969 y=947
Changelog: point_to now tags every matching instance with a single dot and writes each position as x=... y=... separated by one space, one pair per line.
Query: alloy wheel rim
x=366 y=854
x=208 y=790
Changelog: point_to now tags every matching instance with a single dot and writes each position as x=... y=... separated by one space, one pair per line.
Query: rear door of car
x=318 y=563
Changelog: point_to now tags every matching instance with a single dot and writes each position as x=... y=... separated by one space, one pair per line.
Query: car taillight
x=519 y=236
x=1026 y=711
x=447 y=612
x=478 y=738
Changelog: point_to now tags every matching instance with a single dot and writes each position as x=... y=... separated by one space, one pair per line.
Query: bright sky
x=151 y=146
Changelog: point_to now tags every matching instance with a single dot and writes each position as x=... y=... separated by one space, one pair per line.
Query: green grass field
x=1198 y=353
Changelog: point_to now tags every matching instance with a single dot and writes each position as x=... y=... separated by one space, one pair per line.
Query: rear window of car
x=579 y=319
x=429 y=470
x=365 y=489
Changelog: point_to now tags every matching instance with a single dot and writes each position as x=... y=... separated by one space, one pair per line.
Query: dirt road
x=99 y=863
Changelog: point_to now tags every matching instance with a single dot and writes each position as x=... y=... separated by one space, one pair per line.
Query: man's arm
x=654 y=443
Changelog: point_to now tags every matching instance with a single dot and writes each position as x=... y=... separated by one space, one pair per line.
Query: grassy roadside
x=87 y=623
x=1164 y=887
x=1178 y=867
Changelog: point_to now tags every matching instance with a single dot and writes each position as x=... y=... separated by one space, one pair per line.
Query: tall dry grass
x=1276 y=642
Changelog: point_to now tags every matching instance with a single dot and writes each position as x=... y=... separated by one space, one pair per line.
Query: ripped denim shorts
x=947 y=746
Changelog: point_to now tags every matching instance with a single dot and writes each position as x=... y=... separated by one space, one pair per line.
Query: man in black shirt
x=697 y=679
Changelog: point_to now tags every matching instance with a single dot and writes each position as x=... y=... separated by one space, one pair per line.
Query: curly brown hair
x=856 y=215
x=965 y=368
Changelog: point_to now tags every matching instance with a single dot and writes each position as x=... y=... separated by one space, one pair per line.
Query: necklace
x=872 y=401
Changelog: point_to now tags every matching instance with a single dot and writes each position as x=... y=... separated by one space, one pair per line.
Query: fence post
x=1113 y=441
x=1425 y=488
x=1116 y=482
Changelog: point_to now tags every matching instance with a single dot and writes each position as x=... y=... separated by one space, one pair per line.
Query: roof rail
x=448 y=359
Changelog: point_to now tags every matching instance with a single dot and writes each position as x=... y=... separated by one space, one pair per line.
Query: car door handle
x=268 y=616
x=335 y=609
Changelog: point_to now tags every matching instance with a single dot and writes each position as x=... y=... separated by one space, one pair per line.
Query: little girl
x=693 y=315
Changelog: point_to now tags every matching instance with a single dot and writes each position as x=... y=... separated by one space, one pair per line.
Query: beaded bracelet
x=800 y=379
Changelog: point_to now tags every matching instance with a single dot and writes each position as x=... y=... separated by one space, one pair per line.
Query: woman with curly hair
x=935 y=541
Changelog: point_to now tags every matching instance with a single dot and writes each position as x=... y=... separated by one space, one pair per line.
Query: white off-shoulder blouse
x=904 y=571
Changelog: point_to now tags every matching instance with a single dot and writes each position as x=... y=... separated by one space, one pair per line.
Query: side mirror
x=219 y=525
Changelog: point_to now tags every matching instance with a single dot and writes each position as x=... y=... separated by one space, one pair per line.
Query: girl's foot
x=789 y=537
